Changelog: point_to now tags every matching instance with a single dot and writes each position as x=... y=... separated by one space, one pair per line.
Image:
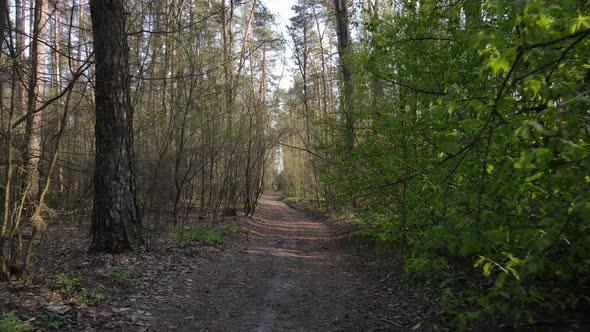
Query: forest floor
x=288 y=269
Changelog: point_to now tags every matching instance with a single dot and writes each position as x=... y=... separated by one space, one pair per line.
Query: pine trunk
x=343 y=31
x=116 y=224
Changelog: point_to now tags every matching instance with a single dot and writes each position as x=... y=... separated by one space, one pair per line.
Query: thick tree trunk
x=343 y=30
x=116 y=224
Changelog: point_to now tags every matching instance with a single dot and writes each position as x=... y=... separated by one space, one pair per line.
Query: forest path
x=290 y=273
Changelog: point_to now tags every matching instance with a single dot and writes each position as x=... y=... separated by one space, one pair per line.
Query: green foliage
x=72 y=288
x=96 y=296
x=49 y=320
x=12 y=323
x=90 y=297
x=374 y=239
x=205 y=234
x=476 y=154
x=68 y=286
x=121 y=276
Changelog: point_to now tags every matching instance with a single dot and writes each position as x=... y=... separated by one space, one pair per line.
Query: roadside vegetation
x=471 y=152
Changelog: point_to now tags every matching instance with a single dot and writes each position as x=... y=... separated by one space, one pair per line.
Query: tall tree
x=32 y=153
x=4 y=260
x=116 y=223
x=343 y=31
x=3 y=14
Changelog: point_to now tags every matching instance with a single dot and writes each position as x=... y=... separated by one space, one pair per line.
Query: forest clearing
x=308 y=165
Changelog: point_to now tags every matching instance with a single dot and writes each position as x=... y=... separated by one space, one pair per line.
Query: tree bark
x=20 y=50
x=116 y=223
x=57 y=70
x=343 y=31
x=32 y=153
x=3 y=15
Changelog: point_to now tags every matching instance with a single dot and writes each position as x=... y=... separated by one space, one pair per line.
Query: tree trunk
x=32 y=153
x=4 y=251
x=57 y=70
x=20 y=50
x=3 y=15
x=342 y=28
x=116 y=224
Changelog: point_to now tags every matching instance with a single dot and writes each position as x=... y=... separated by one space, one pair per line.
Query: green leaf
x=533 y=266
x=447 y=143
x=582 y=209
x=499 y=283
x=449 y=147
x=487 y=269
x=514 y=272
x=469 y=245
x=533 y=85
x=479 y=261
x=495 y=235
x=535 y=176
x=536 y=125
x=497 y=63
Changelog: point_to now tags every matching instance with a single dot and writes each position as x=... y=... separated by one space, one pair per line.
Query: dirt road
x=290 y=273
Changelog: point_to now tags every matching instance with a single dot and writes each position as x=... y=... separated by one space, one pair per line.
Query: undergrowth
x=121 y=277
x=71 y=288
x=12 y=323
x=49 y=320
x=204 y=234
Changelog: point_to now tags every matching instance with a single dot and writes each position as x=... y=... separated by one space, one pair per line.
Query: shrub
x=12 y=323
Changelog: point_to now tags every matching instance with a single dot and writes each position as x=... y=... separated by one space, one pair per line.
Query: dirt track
x=290 y=273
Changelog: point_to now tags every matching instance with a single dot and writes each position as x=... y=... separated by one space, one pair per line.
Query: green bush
x=68 y=285
x=72 y=287
x=475 y=160
x=49 y=320
x=12 y=323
